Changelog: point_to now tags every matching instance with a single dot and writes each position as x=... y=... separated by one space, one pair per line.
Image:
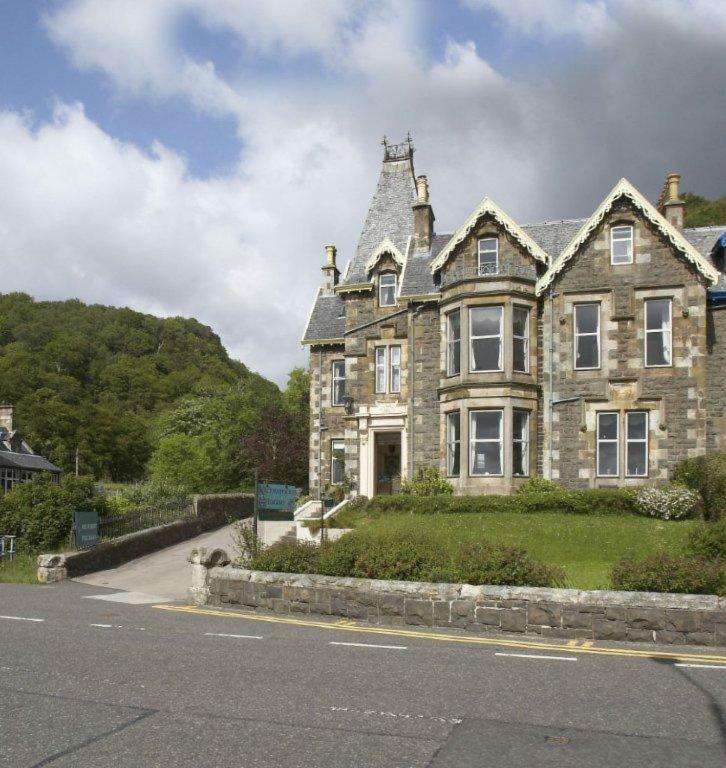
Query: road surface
x=88 y=679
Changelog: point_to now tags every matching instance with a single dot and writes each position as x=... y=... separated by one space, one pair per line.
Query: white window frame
x=613 y=238
x=381 y=285
x=381 y=365
x=487 y=250
x=524 y=339
x=499 y=336
x=452 y=443
x=473 y=441
x=609 y=441
x=452 y=345
x=523 y=439
x=335 y=378
x=333 y=460
x=577 y=334
x=394 y=389
x=661 y=331
x=639 y=440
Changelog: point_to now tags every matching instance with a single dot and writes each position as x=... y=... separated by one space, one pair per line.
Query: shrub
x=538 y=485
x=669 y=502
x=40 y=512
x=707 y=475
x=287 y=557
x=709 y=541
x=428 y=482
x=686 y=574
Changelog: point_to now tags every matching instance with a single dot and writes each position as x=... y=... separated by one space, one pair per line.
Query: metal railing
x=493 y=271
x=169 y=512
x=7 y=547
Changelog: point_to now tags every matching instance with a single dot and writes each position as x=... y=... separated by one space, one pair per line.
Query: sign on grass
x=274 y=496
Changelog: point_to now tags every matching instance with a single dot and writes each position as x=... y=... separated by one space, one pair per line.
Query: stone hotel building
x=590 y=351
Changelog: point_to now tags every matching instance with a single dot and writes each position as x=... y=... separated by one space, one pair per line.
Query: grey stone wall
x=556 y=613
x=426 y=361
x=716 y=378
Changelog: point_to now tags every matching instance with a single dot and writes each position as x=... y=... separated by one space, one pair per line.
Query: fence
x=168 y=512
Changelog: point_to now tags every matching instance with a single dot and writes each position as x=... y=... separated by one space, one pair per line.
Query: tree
x=701 y=212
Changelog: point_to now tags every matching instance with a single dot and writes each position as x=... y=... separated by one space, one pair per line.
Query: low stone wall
x=115 y=552
x=557 y=613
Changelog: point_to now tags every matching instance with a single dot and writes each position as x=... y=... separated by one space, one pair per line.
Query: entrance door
x=388 y=462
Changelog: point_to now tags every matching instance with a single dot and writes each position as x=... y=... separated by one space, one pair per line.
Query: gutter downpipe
x=551 y=295
x=321 y=428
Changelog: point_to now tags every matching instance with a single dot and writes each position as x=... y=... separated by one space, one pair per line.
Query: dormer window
x=621 y=244
x=488 y=255
x=387 y=290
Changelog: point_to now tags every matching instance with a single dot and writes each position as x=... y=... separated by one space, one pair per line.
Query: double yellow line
x=346 y=625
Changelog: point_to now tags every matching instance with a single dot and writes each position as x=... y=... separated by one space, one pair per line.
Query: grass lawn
x=584 y=546
x=22 y=570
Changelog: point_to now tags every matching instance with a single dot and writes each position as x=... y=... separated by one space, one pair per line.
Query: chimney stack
x=423 y=215
x=670 y=203
x=6 y=417
x=330 y=269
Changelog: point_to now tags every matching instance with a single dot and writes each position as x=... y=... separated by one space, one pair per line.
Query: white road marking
x=132 y=598
x=19 y=618
x=224 y=634
x=372 y=645
x=402 y=716
x=535 y=656
x=700 y=666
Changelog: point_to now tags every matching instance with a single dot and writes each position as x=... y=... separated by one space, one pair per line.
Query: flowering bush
x=670 y=502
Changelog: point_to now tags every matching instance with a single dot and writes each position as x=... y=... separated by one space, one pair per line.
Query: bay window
x=636 y=444
x=608 y=444
x=485 y=329
x=587 y=336
x=453 y=444
x=520 y=339
x=485 y=436
x=338 y=382
x=488 y=255
x=453 y=343
x=658 y=333
x=520 y=443
x=621 y=244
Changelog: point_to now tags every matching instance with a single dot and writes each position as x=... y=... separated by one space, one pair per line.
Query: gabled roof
x=625 y=189
x=386 y=246
x=28 y=461
x=488 y=206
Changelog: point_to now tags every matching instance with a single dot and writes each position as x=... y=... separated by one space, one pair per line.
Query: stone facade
x=514 y=290
x=641 y=617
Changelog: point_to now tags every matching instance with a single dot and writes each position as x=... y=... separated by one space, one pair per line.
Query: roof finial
x=402 y=151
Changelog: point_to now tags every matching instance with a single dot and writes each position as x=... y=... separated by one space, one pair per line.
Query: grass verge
x=22 y=570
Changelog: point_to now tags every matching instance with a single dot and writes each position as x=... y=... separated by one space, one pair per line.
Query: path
x=165 y=573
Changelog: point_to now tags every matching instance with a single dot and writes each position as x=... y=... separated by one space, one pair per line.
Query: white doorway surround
x=379 y=419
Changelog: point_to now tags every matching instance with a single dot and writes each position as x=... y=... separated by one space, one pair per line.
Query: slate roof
x=417 y=277
x=327 y=319
x=29 y=461
x=703 y=239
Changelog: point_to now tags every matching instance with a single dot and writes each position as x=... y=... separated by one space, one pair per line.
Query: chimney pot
x=330 y=252
x=422 y=189
x=673 y=181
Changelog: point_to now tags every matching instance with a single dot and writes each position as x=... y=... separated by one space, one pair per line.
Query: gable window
x=337 y=461
x=339 y=382
x=453 y=444
x=381 y=358
x=488 y=255
x=658 y=332
x=636 y=444
x=485 y=325
x=608 y=444
x=520 y=339
x=395 y=372
x=485 y=430
x=453 y=343
x=387 y=290
x=587 y=336
x=520 y=443
x=621 y=244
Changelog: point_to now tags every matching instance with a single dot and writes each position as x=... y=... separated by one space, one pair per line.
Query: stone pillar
x=52 y=568
x=202 y=561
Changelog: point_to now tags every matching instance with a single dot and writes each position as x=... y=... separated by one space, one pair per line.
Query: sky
x=193 y=157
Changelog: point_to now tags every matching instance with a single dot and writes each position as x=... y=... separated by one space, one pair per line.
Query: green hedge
x=707 y=475
x=409 y=556
x=709 y=541
x=688 y=574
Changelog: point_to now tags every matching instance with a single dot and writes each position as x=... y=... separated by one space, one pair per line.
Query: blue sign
x=85 y=529
x=273 y=496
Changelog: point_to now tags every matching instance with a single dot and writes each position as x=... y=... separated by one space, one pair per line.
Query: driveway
x=165 y=573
